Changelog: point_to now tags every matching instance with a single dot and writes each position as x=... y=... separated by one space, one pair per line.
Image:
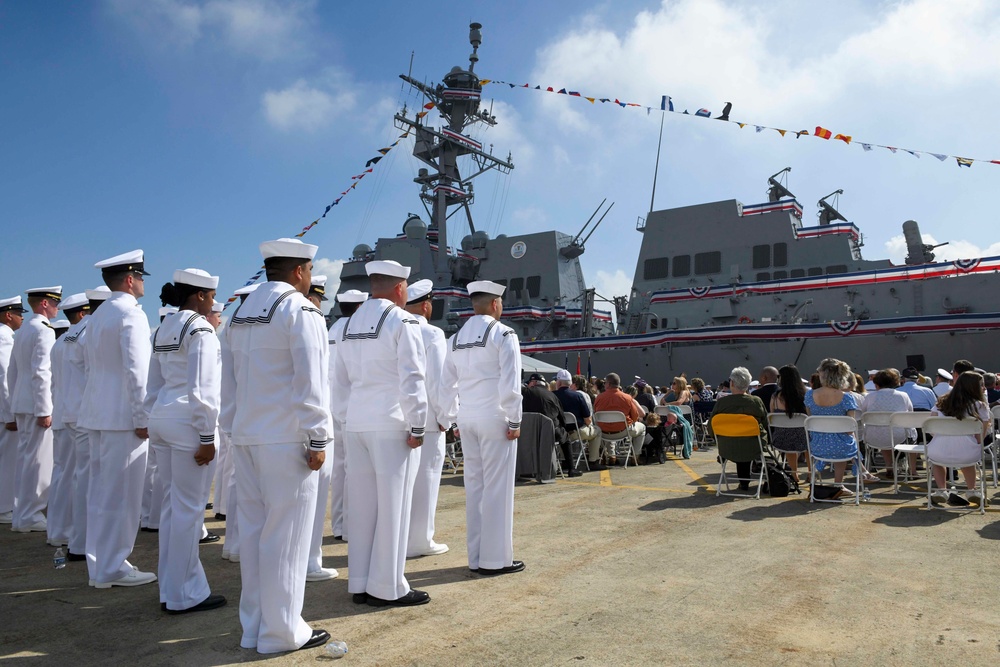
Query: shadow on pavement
x=783 y=510
x=684 y=502
x=908 y=517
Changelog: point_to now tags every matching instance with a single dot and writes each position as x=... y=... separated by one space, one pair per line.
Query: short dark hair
x=114 y=280
x=482 y=300
x=383 y=283
x=277 y=268
x=887 y=378
x=961 y=366
x=347 y=309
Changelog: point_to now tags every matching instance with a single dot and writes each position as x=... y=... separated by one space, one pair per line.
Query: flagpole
x=656 y=169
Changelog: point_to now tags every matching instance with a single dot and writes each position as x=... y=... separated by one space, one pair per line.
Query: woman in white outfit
x=182 y=399
x=964 y=401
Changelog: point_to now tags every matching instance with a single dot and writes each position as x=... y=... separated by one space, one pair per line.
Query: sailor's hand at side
x=45 y=422
x=11 y=426
x=314 y=459
x=414 y=441
x=513 y=434
x=204 y=454
x=142 y=433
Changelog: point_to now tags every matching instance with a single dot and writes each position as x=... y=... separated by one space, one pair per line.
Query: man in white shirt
x=430 y=455
x=280 y=429
x=11 y=317
x=382 y=400
x=30 y=378
x=117 y=353
x=943 y=382
x=481 y=387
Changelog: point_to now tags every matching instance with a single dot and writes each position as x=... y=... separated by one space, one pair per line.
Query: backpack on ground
x=778 y=481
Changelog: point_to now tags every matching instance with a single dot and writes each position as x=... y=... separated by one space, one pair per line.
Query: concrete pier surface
x=643 y=566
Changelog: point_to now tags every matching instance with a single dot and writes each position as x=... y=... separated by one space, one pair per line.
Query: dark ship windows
x=655 y=269
x=762 y=257
x=516 y=287
x=763 y=276
x=781 y=254
x=707 y=262
x=534 y=284
x=798 y=273
x=780 y=275
x=816 y=271
x=437 y=309
x=682 y=266
x=836 y=268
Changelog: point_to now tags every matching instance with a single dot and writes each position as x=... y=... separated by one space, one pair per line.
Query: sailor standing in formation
x=483 y=371
x=280 y=429
x=30 y=378
x=182 y=400
x=11 y=317
x=430 y=455
x=380 y=396
x=118 y=350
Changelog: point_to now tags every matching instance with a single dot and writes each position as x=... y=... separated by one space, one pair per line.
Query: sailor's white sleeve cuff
x=513 y=426
x=417 y=431
x=318 y=445
x=207 y=438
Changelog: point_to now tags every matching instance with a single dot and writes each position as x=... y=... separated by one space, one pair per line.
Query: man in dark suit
x=535 y=397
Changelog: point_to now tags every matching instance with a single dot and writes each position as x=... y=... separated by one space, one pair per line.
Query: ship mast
x=443 y=187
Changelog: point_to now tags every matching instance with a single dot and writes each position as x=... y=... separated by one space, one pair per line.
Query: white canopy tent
x=529 y=365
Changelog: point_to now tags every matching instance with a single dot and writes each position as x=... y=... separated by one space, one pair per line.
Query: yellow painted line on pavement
x=630 y=487
x=605 y=478
x=702 y=482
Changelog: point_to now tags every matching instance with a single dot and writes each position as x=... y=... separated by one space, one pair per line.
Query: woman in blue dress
x=833 y=398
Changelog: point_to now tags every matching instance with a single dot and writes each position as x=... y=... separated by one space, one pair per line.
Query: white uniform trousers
x=117 y=471
x=182 y=578
x=490 y=460
x=338 y=483
x=381 y=467
x=152 y=494
x=81 y=483
x=430 y=459
x=33 y=474
x=232 y=544
x=319 y=519
x=223 y=474
x=277 y=503
x=60 y=512
x=8 y=468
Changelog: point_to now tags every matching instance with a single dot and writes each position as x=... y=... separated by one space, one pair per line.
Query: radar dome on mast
x=414 y=228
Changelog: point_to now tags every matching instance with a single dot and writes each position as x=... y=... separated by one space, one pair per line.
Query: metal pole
x=656 y=170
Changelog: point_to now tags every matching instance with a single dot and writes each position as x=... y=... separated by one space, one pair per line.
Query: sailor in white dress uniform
x=11 y=316
x=75 y=369
x=152 y=487
x=30 y=378
x=382 y=400
x=67 y=389
x=430 y=455
x=481 y=386
x=349 y=302
x=118 y=350
x=219 y=477
x=182 y=400
x=280 y=429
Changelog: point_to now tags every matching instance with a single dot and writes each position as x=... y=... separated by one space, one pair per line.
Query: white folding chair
x=726 y=425
x=832 y=424
x=665 y=412
x=951 y=426
x=779 y=420
x=702 y=414
x=907 y=420
x=620 y=443
x=871 y=423
x=574 y=439
x=991 y=449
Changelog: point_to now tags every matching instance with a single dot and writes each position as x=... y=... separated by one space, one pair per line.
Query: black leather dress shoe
x=209 y=506
x=149 y=530
x=208 y=539
x=338 y=537
x=211 y=602
x=359 y=598
x=319 y=637
x=574 y=473
x=72 y=556
x=516 y=566
x=411 y=599
x=220 y=517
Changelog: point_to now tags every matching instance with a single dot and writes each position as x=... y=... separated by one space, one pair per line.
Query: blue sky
x=197 y=128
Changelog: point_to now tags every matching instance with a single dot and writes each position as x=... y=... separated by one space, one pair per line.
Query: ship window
x=761 y=256
x=836 y=268
x=525 y=330
x=763 y=275
x=682 y=266
x=781 y=254
x=707 y=262
x=652 y=323
x=501 y=282
x=516 y=287
x=798 y=273
x=437 y=309
x=654 y=269
x=534 y=286
x=816 y=271
x=780 y=275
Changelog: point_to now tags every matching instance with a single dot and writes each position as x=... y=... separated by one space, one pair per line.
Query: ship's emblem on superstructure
x=699 y=292
x=966 y=265
x=518 y=249
x=844 y=328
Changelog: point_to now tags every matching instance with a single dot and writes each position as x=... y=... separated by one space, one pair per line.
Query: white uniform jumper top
x=8 y=439
x=74 y=372
x=60 y=506
x=338 y=475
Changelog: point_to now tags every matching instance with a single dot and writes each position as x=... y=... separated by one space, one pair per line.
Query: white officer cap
x=99 y=293
x=319 y=287
x=246 y=289
x=196 y=278
x=167 y=310
x=74 y=302
x=13 y=303
x=287 y=248
x=873 y=372
x=485 y=287
x=564 y=376
x=218 y=306
x=945 y=374
x=127 y=261
x=352 y=296
x=60 y=324
x=54 y=292
x=387 y=267
x=419 y=291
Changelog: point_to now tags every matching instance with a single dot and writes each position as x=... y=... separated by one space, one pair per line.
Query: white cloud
x=302 y=106
x=610 y=285
x=330 y=268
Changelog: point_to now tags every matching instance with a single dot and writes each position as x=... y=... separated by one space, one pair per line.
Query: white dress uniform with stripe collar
x=381 y=398
x=182 y=399
x=152 y=487
x=430 y=455
x=30 y=378
x=117 y=354
x=481 y=386
x=8 y=439
x=279 y=348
